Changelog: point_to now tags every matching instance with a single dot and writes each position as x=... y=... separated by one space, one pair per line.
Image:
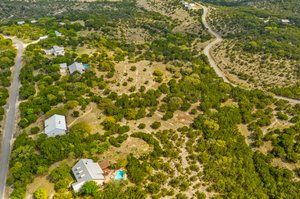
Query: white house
x=187 y=5
x=56 y=50
x=285 y=20
x=55 y=125
x=21 y=22
x=58 y=34
x=76 y=66
x=33 y=21
x=87 y=170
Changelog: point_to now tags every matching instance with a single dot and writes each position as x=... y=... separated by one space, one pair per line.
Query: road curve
x=212 y=62
x=206 y=50
x=10 y=118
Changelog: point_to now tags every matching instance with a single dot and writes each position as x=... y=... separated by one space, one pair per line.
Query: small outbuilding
x=21 y=22
x=285 y=20
x=55 y=125
x=86 y=170
x=76 y=66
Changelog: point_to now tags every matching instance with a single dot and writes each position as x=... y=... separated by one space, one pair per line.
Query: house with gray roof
x=55 y=125
x=56 y=50
x=76 y=66
x=86 y=170
x=63 y=66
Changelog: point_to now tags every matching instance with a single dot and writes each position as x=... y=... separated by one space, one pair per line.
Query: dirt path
x=82 y=116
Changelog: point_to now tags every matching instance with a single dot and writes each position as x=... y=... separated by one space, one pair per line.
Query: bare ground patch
x=132 y=145
x=142 y=76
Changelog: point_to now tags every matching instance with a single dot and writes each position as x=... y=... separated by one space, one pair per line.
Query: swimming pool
x=119 y=175
x=86 y=66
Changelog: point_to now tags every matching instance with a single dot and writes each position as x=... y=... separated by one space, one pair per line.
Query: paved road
x=10 y=119
x=212 y=62
x=217 y=39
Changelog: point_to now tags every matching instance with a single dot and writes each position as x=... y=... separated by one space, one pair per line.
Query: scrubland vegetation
x=261 y=45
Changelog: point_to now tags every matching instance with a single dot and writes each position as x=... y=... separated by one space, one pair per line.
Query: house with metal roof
x=56 y=50
x=55 y=125
x=285 y=20
x=86 y=170
x=76 y=66
x=58 y=34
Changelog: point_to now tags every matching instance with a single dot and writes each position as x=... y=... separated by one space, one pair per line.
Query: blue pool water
x=86 y=66
x=119 y=175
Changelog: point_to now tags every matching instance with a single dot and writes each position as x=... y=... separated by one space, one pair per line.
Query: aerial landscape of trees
x=205 y=137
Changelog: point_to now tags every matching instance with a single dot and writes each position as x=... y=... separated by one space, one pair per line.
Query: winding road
x=10 y=117
x=219 y=72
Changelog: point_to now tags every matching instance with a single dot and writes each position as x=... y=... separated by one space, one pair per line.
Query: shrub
x=133 y=68
x=34 y=130
x=155 y=125
x=141 y=126
x=89 y=188
x=40 y=194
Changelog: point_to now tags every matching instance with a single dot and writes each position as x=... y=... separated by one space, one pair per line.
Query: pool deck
x=111 y=175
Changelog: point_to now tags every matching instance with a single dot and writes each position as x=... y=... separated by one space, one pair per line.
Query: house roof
x=63 y=65
x=76 y=67
x=55 y=122
x=87 y=170
x=58 y=34
x=285 y=20
x=105 y=164
x=58 y=48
